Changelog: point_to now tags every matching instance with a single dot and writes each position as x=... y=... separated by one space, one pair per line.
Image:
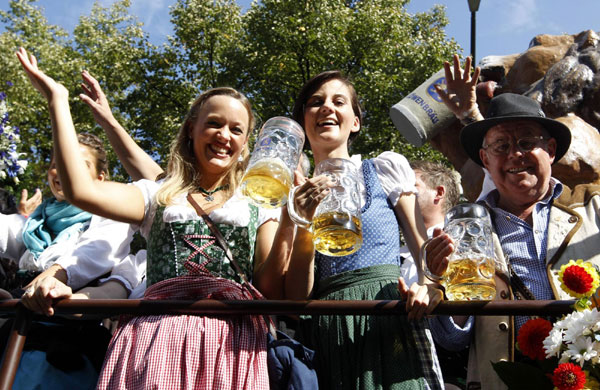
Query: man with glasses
x=539 y=223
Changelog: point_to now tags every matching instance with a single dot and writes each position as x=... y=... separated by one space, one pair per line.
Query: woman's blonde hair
x=182 y=174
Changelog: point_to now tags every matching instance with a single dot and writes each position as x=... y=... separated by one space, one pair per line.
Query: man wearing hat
x=539 y=223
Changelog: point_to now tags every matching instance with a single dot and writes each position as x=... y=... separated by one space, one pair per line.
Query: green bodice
x=171 y=244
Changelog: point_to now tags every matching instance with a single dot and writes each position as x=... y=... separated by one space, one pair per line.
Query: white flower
x=10 y=164
x=573 y=331
x=553 y=342
x=576 y=337
x=581 y=350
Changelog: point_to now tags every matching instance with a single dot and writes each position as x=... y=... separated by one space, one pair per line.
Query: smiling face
x=219 y=135
x=522 y=178
x=90 y=161
x=329 y=118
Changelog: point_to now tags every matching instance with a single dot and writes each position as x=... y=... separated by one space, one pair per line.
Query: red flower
x=577 y=279
x=531 y=338
x=568 y=376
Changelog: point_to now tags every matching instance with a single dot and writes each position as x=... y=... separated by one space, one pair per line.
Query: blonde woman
x=206 y=161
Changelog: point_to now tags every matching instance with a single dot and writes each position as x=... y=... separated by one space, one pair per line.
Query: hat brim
x=471 y=136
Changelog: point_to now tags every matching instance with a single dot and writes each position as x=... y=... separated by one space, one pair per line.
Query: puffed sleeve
x=265 y=215
x=103 y=245
x=11 y=236
x=450 y=335
x=149 y=189
x=131 y=272
x=395 y=175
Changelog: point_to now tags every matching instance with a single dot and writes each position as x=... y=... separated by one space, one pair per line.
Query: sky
x=502 y=26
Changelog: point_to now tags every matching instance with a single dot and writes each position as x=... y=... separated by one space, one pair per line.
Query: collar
x=556 y=189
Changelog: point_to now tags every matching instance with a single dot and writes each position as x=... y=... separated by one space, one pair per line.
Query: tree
x=269 y=53
x=383 y=49
x=110 y=43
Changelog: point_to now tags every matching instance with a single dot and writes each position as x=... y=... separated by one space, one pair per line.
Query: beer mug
x=336 y=225
x=422 y=114
x=471 y=267
x=270 y=172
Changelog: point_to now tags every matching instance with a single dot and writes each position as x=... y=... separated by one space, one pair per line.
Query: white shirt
x=85 y=257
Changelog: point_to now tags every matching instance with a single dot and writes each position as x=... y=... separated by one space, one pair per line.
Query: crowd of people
x=77 y=245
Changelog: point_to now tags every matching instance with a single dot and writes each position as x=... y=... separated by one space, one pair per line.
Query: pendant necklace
x=208 y=195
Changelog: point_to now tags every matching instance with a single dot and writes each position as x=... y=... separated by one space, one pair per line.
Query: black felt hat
x=511 y=107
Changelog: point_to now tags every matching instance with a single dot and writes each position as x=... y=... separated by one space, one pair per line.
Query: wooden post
x=14 y=347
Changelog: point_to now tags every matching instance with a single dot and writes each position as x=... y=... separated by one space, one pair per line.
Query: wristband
x=470 y=116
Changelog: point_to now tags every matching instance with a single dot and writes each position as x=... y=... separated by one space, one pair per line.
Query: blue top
x=380 y=229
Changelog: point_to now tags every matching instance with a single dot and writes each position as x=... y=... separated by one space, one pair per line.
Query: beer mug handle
x=428 y=273
x=298 y=220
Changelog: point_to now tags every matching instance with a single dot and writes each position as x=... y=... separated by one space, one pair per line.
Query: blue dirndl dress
x=369 y=352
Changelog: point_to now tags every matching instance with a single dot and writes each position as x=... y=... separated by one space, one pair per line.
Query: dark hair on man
x=312 y=85
x=435 y=174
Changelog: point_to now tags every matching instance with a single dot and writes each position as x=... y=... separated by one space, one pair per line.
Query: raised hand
x=49 y=88
x=459 y=95
x=28 y=205
x=96 y=100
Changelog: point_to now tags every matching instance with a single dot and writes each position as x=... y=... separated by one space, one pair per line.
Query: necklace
x=208 y=195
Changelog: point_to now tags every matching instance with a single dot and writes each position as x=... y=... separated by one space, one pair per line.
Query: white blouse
x=235 y=211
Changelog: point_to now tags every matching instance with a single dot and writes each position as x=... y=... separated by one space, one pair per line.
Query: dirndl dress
x=369 y=352
x=189 y=351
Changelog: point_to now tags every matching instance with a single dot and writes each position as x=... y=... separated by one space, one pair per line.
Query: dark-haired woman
x=360 y=352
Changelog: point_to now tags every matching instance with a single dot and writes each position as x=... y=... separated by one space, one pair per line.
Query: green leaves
x=267 y=53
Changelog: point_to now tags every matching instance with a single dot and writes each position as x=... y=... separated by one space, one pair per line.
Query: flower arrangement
x=564 y=355
x=10 y=163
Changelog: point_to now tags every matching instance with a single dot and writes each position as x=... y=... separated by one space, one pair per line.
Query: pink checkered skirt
x=187 y=351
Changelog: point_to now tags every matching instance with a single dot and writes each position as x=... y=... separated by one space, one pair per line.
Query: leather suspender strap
x=219 y=237
x=518 y=285
x=223 y=244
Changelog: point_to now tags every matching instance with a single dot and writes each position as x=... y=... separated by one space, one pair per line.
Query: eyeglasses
x=525 y=144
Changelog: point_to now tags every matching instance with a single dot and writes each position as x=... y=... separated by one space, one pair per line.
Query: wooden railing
x=109 y=307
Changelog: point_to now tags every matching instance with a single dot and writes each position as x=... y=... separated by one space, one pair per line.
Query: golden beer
x=470 y=279
x=337 y=234
x=267 y=183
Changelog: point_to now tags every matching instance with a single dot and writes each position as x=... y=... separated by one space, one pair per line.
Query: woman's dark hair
x=312 y=85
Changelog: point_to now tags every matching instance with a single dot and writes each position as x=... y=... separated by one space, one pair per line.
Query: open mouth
x=219 y=151
x=327 y=122
x=517 y=170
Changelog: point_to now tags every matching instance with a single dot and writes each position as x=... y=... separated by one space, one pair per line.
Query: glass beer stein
x=270 y=172
x=472 y=265
x=336 y=225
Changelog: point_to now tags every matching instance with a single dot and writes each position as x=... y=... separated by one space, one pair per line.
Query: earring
x=190 y=144
x=240 y=158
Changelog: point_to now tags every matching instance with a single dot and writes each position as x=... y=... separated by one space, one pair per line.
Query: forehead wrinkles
x=516 y=129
